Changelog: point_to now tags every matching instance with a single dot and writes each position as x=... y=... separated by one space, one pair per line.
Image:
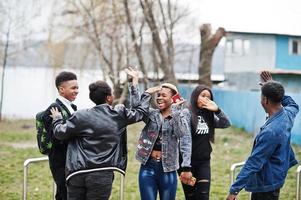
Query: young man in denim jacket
x=266 y=168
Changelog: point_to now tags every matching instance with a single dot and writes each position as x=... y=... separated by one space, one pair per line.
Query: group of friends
x=175 y=141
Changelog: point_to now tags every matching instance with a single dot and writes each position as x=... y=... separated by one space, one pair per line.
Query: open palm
x=132 y=72
x=209 y=105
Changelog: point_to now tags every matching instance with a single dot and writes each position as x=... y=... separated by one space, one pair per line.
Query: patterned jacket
x=175 y=137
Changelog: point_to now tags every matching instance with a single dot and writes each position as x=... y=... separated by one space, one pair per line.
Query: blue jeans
x=152 y=179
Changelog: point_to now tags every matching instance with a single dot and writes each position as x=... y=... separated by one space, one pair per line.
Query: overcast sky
x=268 y=16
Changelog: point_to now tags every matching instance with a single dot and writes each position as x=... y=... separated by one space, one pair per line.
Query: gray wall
x=261 y=53
x=28 y=90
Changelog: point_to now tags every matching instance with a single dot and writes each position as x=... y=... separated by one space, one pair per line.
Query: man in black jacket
x=94 y=139
x=66 y=84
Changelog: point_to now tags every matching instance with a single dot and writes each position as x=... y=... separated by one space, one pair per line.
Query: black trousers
x=57 y=160
x=90 y=186
x=272 y=195
x=201 y=189
x=58 y=174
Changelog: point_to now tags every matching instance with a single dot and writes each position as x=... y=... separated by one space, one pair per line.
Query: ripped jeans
x=152 y=179
x=201 y=189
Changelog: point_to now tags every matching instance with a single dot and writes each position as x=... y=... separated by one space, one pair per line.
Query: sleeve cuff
x=133 y=89
x=218 y=111
x=293 y=163
x=59 y=117
x=233 y=192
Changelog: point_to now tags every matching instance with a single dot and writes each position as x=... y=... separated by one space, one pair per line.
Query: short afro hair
x=273 y=91
x=99 y=91
x=63 y=77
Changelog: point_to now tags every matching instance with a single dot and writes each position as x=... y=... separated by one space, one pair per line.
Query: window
x=295 y=47
x=247 y=46
x=229 y=46
x=238 y=47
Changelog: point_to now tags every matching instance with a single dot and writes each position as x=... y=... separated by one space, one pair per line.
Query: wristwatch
x=234 y=192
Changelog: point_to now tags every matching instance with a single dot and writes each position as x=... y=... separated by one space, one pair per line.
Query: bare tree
x=13 y=25
x=147 y=7
x=135 y=38
x=7 y=39
x=102 y=24
x=171 y=16
x=162 y=18
x=208 y=44
x=107 y=25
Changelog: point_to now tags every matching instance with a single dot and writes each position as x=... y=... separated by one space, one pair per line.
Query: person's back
x=275 y=136
x=66 y=84
x=95 y=137
x=266 y=168
x=94 y=141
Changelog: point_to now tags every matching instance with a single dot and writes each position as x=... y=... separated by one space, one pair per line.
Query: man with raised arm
x=266 y=168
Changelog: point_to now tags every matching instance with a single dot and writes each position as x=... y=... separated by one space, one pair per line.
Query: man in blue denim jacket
x=266 y=168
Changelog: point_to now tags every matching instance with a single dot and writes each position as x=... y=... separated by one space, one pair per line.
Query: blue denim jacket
x=175 y=132
x=266 y=168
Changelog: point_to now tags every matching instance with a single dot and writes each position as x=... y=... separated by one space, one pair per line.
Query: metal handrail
x=115 y=169
x=298 y=182
x=121 y=192
x=232 y=170
x=45 y=158
x=298 y=171
x=25 y=174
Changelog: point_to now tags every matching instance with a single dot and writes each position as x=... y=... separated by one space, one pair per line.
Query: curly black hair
x=63 y=77
x=273 y=91
x=99 y=91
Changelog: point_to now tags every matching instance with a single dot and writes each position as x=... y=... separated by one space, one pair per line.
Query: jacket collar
x=272 y=118
x=156 y=116
x=60 y=103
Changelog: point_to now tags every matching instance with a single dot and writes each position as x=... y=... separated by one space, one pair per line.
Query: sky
x=267 y=16
x=264 y=16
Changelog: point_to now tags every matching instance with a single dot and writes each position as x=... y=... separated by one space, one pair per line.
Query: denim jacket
x=175 y=131
x=266 y=168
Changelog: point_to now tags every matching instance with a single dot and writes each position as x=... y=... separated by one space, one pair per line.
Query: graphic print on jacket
x=202 y=127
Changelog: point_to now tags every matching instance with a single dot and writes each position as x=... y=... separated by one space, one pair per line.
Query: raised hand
x=153 y=90
x=208 y=104
x=55 y=113
x=265 y=76
x=133 y=73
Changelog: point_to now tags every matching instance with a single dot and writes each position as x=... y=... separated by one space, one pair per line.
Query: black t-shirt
x=201 y=146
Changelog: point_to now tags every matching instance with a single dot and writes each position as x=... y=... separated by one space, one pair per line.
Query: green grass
x=18 y=142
